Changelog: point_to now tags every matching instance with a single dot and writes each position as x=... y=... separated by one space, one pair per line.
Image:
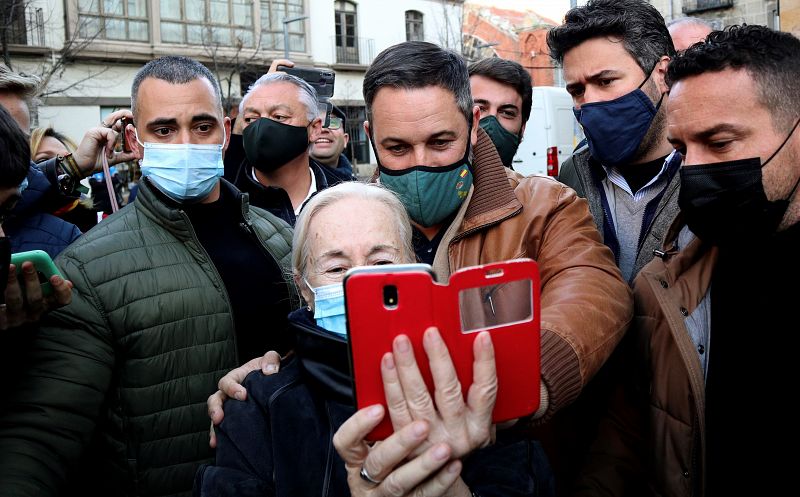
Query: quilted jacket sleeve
x=49 y=413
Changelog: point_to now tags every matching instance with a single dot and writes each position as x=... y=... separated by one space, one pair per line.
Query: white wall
x=384 y=22
x=72 y=120
x=320 y=30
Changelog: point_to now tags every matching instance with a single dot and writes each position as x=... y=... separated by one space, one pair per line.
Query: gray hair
x=305 y=92
x=25 y=87
x=419 y=64
x=18 y=84
x=349 y=189
x=177 y=71
x=696 y=21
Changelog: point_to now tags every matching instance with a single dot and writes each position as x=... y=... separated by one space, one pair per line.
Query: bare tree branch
x=61 y=59
x=228 y=61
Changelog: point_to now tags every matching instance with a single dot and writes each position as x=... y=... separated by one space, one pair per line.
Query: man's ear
x=130 y=140
x=660 y=75
x=476 y=119
x=522 y=131
x=346 y=139
x=226 y=124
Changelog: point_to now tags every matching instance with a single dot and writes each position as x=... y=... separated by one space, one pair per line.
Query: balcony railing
x=353 y=50
x=26 y=26
x=703 y=5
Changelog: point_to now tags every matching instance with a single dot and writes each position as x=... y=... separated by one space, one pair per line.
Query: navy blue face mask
x=616 y=128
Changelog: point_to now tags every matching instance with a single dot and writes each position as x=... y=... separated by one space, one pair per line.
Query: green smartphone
x=45 y=267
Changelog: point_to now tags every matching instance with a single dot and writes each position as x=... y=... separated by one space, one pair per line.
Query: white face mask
x=185 y=172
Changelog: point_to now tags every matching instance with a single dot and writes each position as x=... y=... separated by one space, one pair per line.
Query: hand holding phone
x=125 y=122
x=322 y=80
x=26 y=297
x=42 y=263
x=383 y=302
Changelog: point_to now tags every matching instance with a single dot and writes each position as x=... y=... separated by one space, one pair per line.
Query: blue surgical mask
x=616 y=128
x=329 y=312
x=185 y=172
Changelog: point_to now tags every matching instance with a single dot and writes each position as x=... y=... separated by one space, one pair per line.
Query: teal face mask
x=430 y=194
x=504 y=141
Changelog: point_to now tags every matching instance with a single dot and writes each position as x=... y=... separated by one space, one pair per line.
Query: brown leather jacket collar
x=494 y=198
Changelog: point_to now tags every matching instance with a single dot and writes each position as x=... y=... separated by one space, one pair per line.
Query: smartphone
x=5 y=260
x=125 y=122
x=502 y=298
x=44 y=265
x=321 y=80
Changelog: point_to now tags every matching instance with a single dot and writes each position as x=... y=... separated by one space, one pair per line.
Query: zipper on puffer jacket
x=247 y=226
x=219 y=280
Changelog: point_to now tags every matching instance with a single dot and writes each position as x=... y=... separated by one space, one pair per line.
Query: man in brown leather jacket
x=711 y=370
x=468 y=209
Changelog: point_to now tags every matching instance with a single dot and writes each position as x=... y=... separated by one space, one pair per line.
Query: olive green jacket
x=115 y=384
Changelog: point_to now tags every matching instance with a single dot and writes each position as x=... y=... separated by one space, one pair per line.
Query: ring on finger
x=367 y=478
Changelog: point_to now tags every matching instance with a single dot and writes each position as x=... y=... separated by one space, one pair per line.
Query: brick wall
x=514 y=36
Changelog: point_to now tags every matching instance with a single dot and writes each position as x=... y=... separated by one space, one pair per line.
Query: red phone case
x=496 y=293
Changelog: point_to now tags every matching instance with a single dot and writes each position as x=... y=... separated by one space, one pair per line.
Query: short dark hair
x=640 y=26
x=176 y=70
x=509 y=73
x=15 y=151
x=772 y=59
x=417 y=64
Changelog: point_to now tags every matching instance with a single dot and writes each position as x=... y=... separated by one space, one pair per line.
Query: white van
x=551 y=134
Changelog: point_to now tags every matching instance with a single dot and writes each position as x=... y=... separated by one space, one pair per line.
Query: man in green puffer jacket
x=169 y=294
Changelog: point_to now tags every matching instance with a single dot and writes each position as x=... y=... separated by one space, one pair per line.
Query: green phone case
x=42 y=262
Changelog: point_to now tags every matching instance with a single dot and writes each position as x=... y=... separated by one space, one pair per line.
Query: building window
x=207 y=22
x=24 y=24
x=358 y=146
x=273 y=12
x=346 y=33
x=113 y=19
x=414 y=30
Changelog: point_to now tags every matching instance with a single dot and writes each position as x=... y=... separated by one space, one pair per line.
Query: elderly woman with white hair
x=280 y=440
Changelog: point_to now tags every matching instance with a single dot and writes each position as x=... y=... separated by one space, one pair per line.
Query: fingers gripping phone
x=503 y=299
x=44 y=265
x=322 y=80
x=125 y=122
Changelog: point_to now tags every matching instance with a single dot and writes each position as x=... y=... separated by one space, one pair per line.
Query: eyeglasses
x=335 y=123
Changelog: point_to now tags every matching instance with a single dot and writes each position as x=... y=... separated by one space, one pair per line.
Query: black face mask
x=725 y=203
x=268 y=144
